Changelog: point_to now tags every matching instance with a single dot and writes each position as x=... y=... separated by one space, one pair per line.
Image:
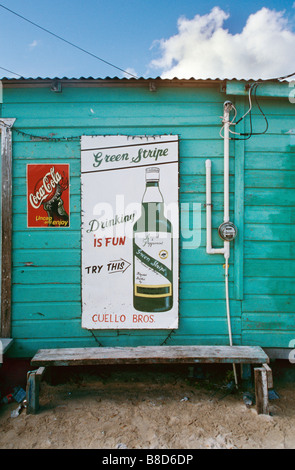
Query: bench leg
x=269 y=375
x=33 y=385
x=246 y=375
x=261 y=390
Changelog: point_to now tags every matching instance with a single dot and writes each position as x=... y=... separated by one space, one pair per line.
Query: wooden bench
x=5 y=344
x=151 y=355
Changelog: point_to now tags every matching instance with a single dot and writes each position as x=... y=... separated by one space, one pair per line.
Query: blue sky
x=127 y=33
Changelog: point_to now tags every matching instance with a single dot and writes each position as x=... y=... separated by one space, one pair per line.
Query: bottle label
x=152 y=264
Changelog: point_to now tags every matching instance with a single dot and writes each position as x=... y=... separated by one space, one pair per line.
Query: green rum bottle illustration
x=152 y=251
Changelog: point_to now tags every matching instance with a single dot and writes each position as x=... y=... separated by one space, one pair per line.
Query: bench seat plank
x=149 y=355
x=5 y=344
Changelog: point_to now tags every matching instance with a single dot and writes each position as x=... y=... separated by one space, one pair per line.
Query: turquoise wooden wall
x=46 y=291
x=268 y=307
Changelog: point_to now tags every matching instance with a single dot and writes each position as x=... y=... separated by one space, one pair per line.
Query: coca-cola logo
x=48 y=195
x=45 y=188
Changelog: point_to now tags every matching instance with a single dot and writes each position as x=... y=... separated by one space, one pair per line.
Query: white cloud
x=203 y=48
x=33 y=44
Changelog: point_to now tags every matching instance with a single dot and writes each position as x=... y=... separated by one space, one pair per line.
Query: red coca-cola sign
x=48 y=200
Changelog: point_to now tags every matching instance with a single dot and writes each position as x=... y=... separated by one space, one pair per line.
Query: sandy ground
x=150 y=408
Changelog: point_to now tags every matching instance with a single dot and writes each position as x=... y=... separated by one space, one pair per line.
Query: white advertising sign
x=130 y=232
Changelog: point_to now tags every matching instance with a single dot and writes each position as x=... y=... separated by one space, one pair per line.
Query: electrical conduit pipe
x=226 y=248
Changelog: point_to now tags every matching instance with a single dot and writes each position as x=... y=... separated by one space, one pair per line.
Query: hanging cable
x=228 y=318
x=247 y=135
x=231 y=123
x=250 y=106
x=256 y=100
x=68 y=42
x=41 y=137
x=282 y=78
x=45 y=138
x=10 y=71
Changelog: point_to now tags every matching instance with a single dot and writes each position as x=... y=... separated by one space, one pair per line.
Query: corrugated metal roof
x=132 y=79
x=112 y=78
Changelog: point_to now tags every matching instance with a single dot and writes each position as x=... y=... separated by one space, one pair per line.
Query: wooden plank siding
x=46 y=289
x=268 y=310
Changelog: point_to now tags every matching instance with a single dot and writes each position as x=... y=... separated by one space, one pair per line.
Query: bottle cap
x=152 y=174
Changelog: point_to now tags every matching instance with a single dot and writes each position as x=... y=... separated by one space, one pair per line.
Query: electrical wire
x=45 y=138
x=40 y=137
x=230 y=124
x=10 y=71
x=261 y=113
x=282 y=78
x=250 y=106
x=228 y=317
x=251 y=133
x=67 y=42
x=247 y=135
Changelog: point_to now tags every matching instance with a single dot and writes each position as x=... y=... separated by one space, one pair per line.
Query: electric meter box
x=227 y=231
